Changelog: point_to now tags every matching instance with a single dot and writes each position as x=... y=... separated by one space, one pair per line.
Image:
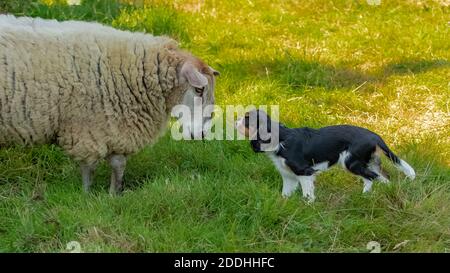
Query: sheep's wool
x=91 y=89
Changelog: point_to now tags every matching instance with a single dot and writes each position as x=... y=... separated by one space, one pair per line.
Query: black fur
x=302 y=148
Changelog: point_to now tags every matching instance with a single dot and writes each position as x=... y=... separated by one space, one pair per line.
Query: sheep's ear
x=215 y=72
x=193 y=76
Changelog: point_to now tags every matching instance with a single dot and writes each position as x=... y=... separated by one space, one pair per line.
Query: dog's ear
x=264 y=126
x=268 y=132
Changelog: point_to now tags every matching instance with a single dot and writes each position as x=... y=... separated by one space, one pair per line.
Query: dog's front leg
x=307 y=183
x=290 y=184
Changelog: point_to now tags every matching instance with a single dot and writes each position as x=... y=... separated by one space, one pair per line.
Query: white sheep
x=95 y=91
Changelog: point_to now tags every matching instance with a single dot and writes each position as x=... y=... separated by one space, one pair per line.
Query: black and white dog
x=301 y=153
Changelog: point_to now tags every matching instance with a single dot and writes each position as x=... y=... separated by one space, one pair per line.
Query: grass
x=324 y=62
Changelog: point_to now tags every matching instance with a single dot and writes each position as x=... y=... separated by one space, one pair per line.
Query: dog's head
x=257 y=126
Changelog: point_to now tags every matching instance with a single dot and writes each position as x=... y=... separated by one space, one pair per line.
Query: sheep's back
x=80 y=84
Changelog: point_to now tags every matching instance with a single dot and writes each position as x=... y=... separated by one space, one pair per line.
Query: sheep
x=95 y=91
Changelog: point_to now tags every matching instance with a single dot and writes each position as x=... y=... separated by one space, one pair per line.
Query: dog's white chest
x=322 y=166
x=280 y=163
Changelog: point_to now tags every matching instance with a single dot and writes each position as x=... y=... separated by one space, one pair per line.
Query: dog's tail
x=401 y=164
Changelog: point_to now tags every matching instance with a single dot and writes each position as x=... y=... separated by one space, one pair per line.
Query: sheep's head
x=198 y=96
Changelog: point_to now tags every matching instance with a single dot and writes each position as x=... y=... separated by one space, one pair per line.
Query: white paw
x=309 y=199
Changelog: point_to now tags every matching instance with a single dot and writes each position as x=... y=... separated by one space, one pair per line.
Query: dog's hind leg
x=360 y=168
x=375 y=166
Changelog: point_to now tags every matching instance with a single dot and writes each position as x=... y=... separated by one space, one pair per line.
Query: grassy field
x=324 y=62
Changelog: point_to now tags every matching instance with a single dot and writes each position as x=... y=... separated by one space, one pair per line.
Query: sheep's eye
x=199 y=91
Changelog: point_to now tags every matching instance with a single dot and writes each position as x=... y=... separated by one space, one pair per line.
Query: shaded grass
x=324 y=62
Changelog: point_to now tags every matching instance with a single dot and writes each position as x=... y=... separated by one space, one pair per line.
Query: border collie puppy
x=300 y=153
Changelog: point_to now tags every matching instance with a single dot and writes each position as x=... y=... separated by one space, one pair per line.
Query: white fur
x=406 y=169
x=290 y=185
x=322 y=166
x=307 y=183
x=376 y=169
x=342 y=158
x=367 y=185
x=192 y=120
x=291 y=180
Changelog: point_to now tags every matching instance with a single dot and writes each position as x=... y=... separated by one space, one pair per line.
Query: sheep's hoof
x=86 y=189
x=115 y=191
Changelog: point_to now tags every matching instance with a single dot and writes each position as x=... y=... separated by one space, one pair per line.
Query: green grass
x=324 y=62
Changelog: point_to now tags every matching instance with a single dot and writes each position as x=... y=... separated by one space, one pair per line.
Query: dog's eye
x=199 y=91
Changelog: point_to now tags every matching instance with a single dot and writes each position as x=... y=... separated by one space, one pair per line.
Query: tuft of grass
x=89 y=10
x=323 y=62
x=158 y=20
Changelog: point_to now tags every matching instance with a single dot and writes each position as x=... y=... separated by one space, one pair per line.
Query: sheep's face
x=199 y=98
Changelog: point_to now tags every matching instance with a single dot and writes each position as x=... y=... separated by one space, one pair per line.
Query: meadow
x=385 y=67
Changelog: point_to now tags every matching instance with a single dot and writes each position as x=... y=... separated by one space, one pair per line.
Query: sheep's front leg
x=117 y=163
x=87 y=175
